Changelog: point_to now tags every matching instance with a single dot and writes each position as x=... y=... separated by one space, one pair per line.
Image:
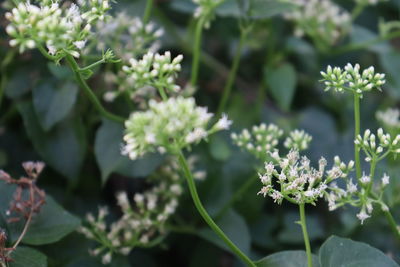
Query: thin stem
x=371 y=174
x=89 y=93
x=91 y=66
x=196 y=51
x=233 y=72
x=147 y=11
x=392 y=223
x=305 y=234
x=7 y=60
x=356 y=133
x=204 y=214
x=28 y=221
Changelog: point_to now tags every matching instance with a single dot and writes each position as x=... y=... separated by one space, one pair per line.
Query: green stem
x=91 y=66
x=371 y=174
x=3 y=80
x=356 y=133
x=232 y=73
x=89 y=93
x=147 y=11
x=196 y=51
x=392 y=223
x=305 y=234
x=204 y=214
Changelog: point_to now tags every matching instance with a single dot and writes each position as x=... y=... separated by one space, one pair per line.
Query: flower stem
x=147 y=11
x=204 y=214
x=232 y=72
x=89 y=93
x=196 y=51
x=305 y=234
x=356 y=133
x=392 y=223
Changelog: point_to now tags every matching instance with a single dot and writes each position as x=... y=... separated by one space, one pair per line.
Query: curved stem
x=392 y=223
x=147 y=11
x=89 y=93
x=28 y=221
x=204 y=214
x=305 y=234
x=196 y=52
x=356 y=133
x=232 y=73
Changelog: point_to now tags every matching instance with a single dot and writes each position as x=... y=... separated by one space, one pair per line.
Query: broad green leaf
x=262 y=9
x=281 y=82
x=63 y=148
x=53 y=101
x=25 y=256
x=183 y=6
x=59 y=71
x=295 y=258
x=19 y=83
x=337 y=251
x=50 y=225
x=229 y=8
x=235 y=227
x=390 y=62
x=108 y=154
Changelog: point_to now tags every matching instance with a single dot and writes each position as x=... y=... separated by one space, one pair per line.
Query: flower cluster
x=352 y=80
x=168 y=126
x=262 y=140
x=322 y=20
x=144 y=216
x=374 y=150
x=390 y=118
x=128 y=36
x=298 y=139
x=205 y=10
x=298 y=181
x=153 y=71
x=61 y=30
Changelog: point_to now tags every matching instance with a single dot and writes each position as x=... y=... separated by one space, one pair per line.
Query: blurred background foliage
x=44 y=116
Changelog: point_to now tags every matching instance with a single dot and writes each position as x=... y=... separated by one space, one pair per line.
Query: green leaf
x=281 y=82
x=229 y=8
x=24 y=256
x=59 y=71
x=337 y=251
x=295 y=258
x=63 y=148
x=50 y=225
x=235 y=227
x=19 y=83
x=53 y=101
x=262 y=9
x=108 y=154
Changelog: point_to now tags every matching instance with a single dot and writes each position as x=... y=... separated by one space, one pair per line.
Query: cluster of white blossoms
x=262 y=140
x=169 y=126
x=376 y=147
x=390 y=118
x=350 y=79
x=205 y=10
x=141 y=78
x=128 y=36
x=298 y=139
x=62 y=30
x=144 y=216
x=297 y=181
x=322 y=20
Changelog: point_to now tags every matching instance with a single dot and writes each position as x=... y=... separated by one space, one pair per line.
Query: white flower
x=385 y=179
x=365 y=179
x=223 y=123
x=362 y=216
x=80 y=44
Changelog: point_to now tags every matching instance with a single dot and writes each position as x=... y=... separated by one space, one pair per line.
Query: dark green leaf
x=235 y=227
x=337 y=251
x=108 y=154
x=281 y=82
x=24 y=256
x=229 y=8
x=63 y=148
x=19 y=83
x=53 y=101
x=288 y=259
x=59 y=71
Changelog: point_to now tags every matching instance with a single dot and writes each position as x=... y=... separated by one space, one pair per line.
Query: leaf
x=288 y=259
x=63 y=148
x=59 y=71
x=337 y=251
x=281 y=82
x=262 y=9
x=24 y=256
x=229 y=8
x=50 y=225
x=235 y=227
x=53 y=101
x=19 y=83
x=108 y=154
